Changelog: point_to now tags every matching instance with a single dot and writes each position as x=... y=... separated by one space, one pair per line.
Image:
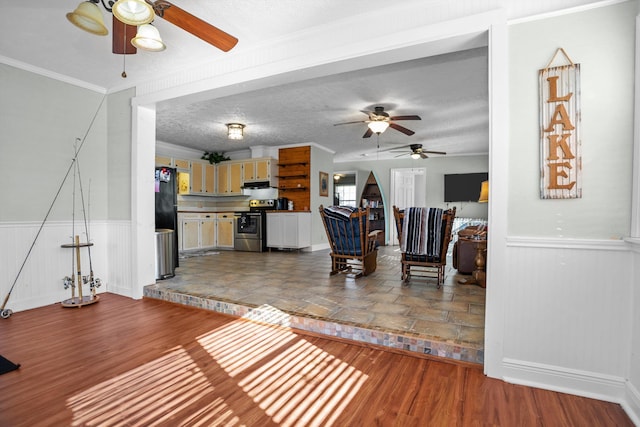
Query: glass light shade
x=484 y=192
x=88 y=17
x=378 y=126
x=235 y=131
x=133 y=12
x=415 y=156
x=148 y=38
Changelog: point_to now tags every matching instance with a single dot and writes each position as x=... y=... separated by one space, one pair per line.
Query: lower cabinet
x=225 y=230
x=288 y=230
x=204 y=231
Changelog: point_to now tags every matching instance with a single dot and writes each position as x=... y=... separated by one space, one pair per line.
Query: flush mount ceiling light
x=235 y=131
x=378 y=126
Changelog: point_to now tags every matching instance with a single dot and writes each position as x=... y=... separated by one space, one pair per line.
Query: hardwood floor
x=122 y=362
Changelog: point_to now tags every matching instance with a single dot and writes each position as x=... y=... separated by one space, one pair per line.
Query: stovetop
x=262 y=204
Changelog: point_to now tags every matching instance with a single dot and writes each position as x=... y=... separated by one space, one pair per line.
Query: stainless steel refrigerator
x=166 y=188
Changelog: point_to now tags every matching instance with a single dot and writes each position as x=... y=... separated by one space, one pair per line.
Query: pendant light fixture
x=133 y=12
x=88 y=17
x=235 y=131
x=148 y=38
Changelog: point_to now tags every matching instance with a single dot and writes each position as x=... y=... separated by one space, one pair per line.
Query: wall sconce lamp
x=484 y=192
x=235 y=131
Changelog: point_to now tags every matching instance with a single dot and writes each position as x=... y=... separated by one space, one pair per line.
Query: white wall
x=567 y=313
x=602 y=42
x=40 y=119
x=436 y=168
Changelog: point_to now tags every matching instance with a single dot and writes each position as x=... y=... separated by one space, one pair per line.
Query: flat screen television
x=463 y=187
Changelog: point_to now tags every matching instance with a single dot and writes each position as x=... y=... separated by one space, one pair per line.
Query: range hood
x=256 y=185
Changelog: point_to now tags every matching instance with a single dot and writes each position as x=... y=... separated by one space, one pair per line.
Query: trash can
x=165 y=264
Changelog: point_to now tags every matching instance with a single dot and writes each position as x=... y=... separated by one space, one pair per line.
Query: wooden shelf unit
x=294 y=180
x=372 y=197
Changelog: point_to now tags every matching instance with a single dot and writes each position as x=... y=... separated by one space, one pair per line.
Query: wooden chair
x=428 y=250
x=353 y=246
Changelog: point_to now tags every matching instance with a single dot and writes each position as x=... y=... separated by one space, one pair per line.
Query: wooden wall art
x=560 y=146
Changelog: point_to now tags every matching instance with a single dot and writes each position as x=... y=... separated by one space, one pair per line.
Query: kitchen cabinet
x=254 y=170
x=181 y=165
x=225 y=230
x=196 y=231
x=229 y=177
x=164 y=161
x=202 y=178
x=288 y=230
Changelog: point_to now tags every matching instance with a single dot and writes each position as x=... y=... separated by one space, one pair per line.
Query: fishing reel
x=68 y=282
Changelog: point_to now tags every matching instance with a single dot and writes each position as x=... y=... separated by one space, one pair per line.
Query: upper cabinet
x=229 y=178
x=203 y=178
x=222 y=179
x=258 y=170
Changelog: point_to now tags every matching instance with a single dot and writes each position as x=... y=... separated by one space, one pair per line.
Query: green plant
x=214 y=157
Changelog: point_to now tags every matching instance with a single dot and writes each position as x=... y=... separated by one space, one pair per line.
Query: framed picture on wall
x=324 y=184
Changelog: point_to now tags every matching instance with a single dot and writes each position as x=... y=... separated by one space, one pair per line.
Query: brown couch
x=464 y=250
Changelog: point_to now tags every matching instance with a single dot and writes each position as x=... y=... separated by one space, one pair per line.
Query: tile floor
x=294 y=289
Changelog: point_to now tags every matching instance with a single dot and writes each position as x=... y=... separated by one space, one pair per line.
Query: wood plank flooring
x=122 y=362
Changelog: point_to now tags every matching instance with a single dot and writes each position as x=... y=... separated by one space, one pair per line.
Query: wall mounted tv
x=463 y=187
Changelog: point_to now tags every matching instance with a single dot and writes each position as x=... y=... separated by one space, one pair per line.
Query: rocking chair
x=353 y=247
x=424 y=235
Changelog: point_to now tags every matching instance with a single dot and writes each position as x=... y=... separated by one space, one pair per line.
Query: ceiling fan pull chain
x=124 y=55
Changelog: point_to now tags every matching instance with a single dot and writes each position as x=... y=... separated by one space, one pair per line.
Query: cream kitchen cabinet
x=229 y=177
x=203 y=178
x=196 y=231
x=224 y=225
x=254 y=170
x=288 y=230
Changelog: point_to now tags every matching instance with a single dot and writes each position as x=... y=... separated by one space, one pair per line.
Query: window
x=344 y=189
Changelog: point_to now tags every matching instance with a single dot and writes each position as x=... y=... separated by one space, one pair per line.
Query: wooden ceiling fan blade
x=424 y=156
x=434 y=152
x=405 y=118
x=401 y=129
x=194 y=25
x=121 y=35
x=349 y=123
x=368 y=133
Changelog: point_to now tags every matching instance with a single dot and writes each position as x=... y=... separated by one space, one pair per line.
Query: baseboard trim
x=631 y=403
x=609 y=388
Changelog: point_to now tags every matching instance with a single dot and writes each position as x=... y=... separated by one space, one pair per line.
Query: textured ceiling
x=448 y=91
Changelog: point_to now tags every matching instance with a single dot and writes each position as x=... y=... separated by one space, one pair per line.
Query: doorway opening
x=407 y=188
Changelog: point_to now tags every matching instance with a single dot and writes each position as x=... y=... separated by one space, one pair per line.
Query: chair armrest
x=374 y=234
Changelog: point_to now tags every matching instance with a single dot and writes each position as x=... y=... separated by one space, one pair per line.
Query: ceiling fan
x=132 y=29
x=379 y=121
x=417 y=152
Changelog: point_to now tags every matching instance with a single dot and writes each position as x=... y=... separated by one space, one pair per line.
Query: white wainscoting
x=568 y=315
x=40 y=282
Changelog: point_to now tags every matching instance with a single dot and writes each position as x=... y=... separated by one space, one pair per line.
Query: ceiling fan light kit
x=148 y=38
x=88 y=17
x=133 y=12
x=378 y=126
